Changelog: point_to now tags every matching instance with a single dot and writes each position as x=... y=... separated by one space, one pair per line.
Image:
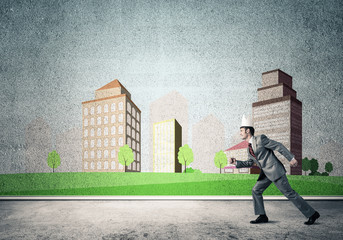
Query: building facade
x=239 y=152
x=167 y=139
x=109 y=122
x=278 y=115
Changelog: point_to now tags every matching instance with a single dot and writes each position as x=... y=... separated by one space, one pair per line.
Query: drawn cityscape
x=112 y=119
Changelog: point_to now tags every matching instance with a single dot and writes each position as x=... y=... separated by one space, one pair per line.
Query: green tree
x=125 y=155
x=53 y=160
x=314 y=166
x=185 y=155
x=220 y=160
x=306 y=165
x=328 y=167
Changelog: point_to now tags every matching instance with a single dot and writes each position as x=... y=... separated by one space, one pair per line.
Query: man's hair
x=252 y=130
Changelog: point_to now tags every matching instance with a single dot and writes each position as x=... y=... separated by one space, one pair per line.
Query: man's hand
x=293 y=163
x=232 y=161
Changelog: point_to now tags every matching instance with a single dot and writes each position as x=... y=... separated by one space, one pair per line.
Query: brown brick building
x=109 y=122
x=278 y=115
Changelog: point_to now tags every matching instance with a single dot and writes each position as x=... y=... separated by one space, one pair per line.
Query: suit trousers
x=283 y=185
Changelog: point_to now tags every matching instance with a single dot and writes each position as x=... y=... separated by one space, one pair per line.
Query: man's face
x=244 y=133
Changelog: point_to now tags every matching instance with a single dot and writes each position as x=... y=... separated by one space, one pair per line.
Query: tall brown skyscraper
x=278 y=115
x=109 y=122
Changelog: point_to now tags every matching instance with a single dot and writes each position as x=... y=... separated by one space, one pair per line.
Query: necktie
x=251 y=151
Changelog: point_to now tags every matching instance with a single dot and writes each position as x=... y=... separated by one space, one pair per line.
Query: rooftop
x=241 y=145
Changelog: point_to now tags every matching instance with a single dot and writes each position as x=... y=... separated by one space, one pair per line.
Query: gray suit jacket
x=263 y=148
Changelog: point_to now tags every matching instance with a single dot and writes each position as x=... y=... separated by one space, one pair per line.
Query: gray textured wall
x=54 y=54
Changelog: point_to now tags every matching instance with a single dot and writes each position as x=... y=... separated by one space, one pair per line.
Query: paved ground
x=164 y=220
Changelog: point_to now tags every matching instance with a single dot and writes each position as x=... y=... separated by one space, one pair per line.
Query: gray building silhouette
x=38 y=142
x=208 y=137
x=69 y=147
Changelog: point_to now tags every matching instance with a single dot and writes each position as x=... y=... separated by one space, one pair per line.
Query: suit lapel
x=254 y=144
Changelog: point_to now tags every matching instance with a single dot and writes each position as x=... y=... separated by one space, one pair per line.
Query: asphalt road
x=164 y=219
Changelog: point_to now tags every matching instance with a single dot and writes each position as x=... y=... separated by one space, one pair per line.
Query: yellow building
x=109 y=122
x=167 y=139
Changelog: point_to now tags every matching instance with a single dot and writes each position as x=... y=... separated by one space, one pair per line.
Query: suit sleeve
x=276 y=146
x=244 y=164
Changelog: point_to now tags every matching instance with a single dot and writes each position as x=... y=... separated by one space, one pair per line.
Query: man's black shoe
x=312 y=219
x=260 y=219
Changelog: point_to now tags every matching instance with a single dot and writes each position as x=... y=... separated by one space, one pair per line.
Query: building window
x=98 y=122
x=138 y=166
x=121 y=141
x=98 y=144
x=85 y=144
x=86 y=165
x=99 y=132
x=133 y=145
x=137 y=116
x=92 y=165
x=128 y=141
x=133 y=123
x=138 y=147
x=121 y=106
x=128 y=130
x=133 y=112
x=85 y=111
x=92 y=110
x=99 y=165
x=137 y=126
x=113 y=107
x=106 y=165
x=92 y=143
x=133 y=166
x=128 y=118
x=128 y=107
x=113 y=118
x=99 y=109
x=113 y=130
x=92 y=132
x=244 y=170
x=133 y=133
x=106 y=120
x=106 y=131
x=92 y=154
x=137 y=136
x=121 y=167
x=113 y=153
x=106 y=108
x=113 y=142
x=86 y=133
x=113 y=165
x=121 y=117
x=86 y=122
x=92 y=121
x=106 y=154
x=106 y=142
x=228 y=170
x=138 y=157
x=120 y=129
x=85 y=155
x=98 y=154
